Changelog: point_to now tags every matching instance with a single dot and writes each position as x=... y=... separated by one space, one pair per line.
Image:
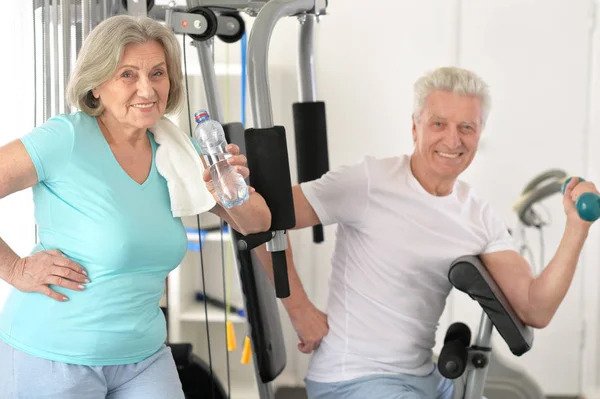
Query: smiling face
x=446 y=134
x=136 y=95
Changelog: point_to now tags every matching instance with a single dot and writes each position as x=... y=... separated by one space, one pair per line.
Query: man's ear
x=414 y=129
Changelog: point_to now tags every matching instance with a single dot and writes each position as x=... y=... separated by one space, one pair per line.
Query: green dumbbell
x=588 y=204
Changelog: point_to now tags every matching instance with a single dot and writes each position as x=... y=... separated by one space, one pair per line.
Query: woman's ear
x=95 y=93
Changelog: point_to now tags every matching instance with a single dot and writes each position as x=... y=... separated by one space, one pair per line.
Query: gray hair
x=103 y=50
x=454 y=80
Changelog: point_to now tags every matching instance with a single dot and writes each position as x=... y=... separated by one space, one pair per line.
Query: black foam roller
x=452 y=361
x=311 y=140
x=458 y=332
x=280 y=274
x=312 y=155
x=270 y=173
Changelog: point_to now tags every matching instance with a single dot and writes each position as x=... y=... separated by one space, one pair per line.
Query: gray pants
x=431 y=386
x=23 y=376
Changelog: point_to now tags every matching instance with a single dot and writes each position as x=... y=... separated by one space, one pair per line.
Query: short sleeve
x=49 y=146
x=499 y=238
x=340 y=195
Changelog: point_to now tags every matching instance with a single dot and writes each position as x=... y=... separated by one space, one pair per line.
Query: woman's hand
x=238 y=161
x=37 y=272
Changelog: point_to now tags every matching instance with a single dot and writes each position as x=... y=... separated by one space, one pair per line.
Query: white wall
x=16 y=102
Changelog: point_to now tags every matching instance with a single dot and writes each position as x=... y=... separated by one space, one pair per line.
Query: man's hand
x=311 y=326
x=573 y=191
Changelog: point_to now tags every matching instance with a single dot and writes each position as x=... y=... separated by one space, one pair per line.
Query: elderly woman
x=83 y=320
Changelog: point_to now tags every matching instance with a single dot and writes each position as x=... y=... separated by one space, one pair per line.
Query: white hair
x=454 y=80
x=101 y=54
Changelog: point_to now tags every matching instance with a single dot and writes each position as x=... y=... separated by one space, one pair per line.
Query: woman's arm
x=36 y=272
x=17 y=173
x=253 y=216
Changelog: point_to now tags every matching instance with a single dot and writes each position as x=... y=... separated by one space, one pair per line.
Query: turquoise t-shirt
x=123 y=233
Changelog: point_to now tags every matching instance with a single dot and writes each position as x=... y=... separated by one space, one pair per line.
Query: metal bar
x=93 y=14
x=35 y=70
x=78 y=19
x=46 y=61
x=476 y=379
x=85 y=18
x=233 y=4
x=265 y=391
x=258 y=74
x=484 y=334
x=306 y=64
x=210 y=80
x=66 y=30
x=137 y=8
x=192 y=3
x=55 y=53
x=258 y=52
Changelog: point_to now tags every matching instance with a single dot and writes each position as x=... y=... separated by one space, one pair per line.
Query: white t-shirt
x=394 y=247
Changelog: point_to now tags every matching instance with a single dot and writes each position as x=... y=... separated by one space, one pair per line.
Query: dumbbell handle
x=588 y=204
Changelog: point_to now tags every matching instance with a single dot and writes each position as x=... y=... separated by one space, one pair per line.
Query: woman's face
x=136 y=95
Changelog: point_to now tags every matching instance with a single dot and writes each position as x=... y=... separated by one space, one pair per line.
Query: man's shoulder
x=468 y=194
x=384 y=166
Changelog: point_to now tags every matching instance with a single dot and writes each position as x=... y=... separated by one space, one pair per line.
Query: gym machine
x=265 y=147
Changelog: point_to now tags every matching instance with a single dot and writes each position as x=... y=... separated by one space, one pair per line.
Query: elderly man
x=401 y=222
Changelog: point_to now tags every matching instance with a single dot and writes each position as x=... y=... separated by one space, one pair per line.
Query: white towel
x=179 y=163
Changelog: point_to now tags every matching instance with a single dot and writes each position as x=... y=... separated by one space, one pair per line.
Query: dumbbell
x=588 y=204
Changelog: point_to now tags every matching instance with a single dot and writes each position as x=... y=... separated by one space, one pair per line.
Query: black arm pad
x=311 y=140
x=312 y=155
x=270 y=173
x=468 y=275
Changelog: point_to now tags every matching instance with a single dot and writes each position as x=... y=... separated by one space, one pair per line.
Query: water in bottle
x=229 y=184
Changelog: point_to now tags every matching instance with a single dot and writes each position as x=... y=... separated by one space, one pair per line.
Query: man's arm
x=536 y=299
x=305 y=217
x=309 y=322
x=253 y=216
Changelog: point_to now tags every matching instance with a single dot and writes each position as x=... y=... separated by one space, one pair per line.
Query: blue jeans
x=25 y=376
x=379 y=386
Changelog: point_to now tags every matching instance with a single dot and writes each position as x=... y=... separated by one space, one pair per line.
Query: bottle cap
x=201 y=116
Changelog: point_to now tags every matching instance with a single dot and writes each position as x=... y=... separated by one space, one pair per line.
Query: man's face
x=446 y=134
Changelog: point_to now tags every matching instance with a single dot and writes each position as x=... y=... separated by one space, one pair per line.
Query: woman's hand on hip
x=37 y=272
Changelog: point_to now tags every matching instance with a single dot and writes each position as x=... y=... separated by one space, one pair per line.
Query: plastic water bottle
x=229 y=184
